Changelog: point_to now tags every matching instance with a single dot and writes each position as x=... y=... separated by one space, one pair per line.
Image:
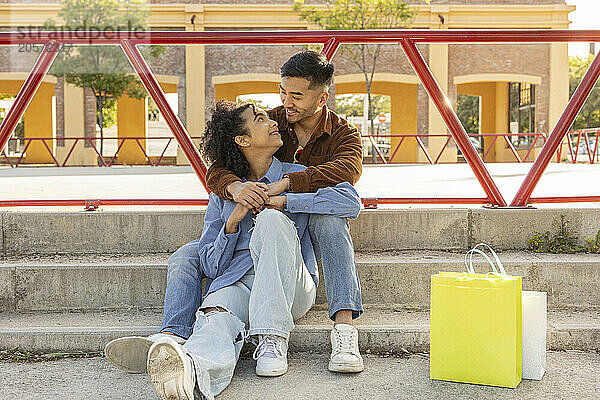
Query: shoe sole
x=128 y=353
x=272 y=372
x=166 y=370
x=345 y=367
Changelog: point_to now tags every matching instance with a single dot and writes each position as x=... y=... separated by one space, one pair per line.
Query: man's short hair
x=311 y=66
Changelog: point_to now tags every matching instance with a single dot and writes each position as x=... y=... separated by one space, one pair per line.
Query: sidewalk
x=450 y=180
x=570 y=375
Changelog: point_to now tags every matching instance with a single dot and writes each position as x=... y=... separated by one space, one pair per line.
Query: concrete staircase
x=72 y=281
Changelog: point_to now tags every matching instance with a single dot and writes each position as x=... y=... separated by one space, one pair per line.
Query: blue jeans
x=275 y=292
x=183 y=295
x=333 y=246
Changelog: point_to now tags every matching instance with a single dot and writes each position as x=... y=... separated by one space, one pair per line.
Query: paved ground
x=570 y=375
x=452 y=180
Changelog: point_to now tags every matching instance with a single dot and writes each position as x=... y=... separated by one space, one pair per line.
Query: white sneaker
x=171 y=370
x=131 y=353
x=345 y=356
x=271 y=356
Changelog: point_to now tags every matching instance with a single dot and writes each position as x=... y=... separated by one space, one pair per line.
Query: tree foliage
x=467 y=109
x=103 y=69
x=360 y=15
x=256 y=102
x=589 y=116
x=351 y=105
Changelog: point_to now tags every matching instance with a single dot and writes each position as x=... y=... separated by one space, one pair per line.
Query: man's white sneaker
x=345 y=356
x=171 y=370
x=271 y=356
x=131 y=353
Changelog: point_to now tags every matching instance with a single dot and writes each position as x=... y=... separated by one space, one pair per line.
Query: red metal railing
x=506 y=137
x=155 y=160
x=92 y=143
x=331 y=41
x=589 y=149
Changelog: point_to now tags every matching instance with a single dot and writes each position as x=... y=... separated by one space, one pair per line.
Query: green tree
x=103 y=69
x=19 y=131
x=351 y=105
x=256 y=102
x=360 y=15
x=467 y=109
x=589 y=116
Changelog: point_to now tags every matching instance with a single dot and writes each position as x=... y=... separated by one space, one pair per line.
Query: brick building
x=200 y=74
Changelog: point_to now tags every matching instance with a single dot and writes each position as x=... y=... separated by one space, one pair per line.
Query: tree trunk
x=370 y=119
x=101 y=124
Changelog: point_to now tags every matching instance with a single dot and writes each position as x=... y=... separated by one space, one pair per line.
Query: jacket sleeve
x=217 y=180
x=215 y=247
x=345 y=165
x=339 y=201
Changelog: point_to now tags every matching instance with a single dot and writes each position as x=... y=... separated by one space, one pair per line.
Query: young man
x=261 y=270
x=331 y=148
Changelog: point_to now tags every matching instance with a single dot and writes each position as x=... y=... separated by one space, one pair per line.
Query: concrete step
x=391 y=329
x=93 y=282
x=391 y=229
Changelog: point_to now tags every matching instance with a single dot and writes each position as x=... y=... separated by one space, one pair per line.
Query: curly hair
x=218 y=145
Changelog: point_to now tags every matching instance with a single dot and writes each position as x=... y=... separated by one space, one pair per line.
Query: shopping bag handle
x=475 y=249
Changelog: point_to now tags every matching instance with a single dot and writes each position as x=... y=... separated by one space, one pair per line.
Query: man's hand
x=277 y=202
x=238 y=214
x=278 y=187
x=252 y=195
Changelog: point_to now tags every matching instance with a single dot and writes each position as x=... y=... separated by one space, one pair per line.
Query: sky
x=586 y=16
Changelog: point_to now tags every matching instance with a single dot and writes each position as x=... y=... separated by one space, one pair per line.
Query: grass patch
x=563 y=241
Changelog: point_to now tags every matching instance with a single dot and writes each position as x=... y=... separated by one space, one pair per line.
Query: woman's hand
x=238 y=214
x=250 y=194
x=277 y=202
x=279 y=186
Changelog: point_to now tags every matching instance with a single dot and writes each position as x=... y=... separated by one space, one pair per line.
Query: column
x=132 y=121
x=438 y=63
x=559 y=87
x=195 y=87
x=39 y=122
x=75 y=128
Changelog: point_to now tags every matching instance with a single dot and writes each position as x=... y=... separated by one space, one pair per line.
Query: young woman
x=260 y=264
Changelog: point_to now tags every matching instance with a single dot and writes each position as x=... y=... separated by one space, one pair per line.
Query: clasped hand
x=255 y=196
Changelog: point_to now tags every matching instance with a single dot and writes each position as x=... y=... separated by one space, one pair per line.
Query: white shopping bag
x=534 y=334
x=534 y=319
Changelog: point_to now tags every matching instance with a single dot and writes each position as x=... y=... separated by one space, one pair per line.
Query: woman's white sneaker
x=345 y=356
x=171 y=370
x=271 y=356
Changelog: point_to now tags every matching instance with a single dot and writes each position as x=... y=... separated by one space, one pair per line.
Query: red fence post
x=558 y=134
x=452 y=122
x=330 y=48
x=28 y=90
x=155 y=91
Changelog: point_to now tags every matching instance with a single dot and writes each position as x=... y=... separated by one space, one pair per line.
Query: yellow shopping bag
x=475 y=327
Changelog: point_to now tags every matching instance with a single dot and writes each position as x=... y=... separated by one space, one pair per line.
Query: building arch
x=229 y=87
x=39 y=117
x=492 y=89
x=497 y=77
x=402 y=88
